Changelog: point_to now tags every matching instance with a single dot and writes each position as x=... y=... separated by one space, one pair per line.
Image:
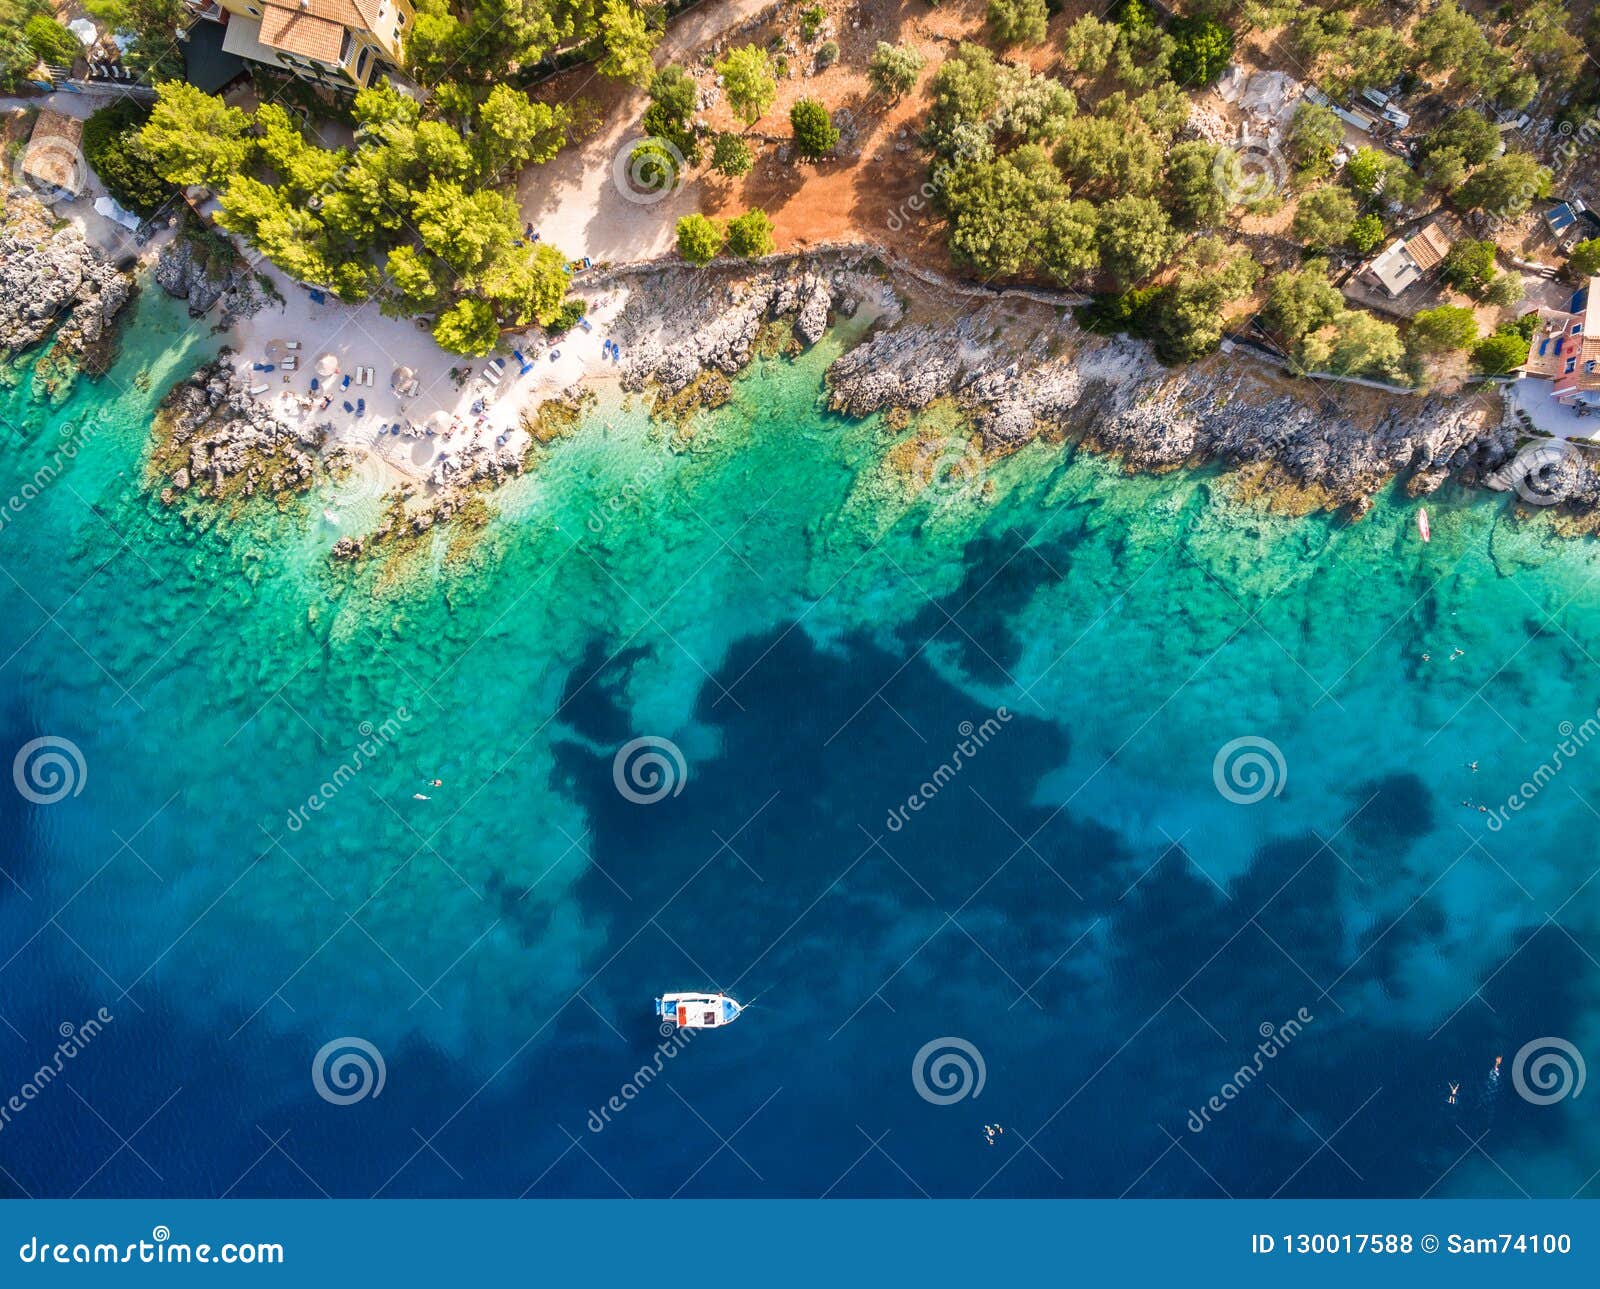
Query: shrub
x=1366 y=233
x=699 y=239
x=1018 y=22
x=827 y=53
x=814 y=133
x=110 y=145
x=1469 y=266
x=1201 y=53
x=750 y=235
x=893 y=69
x=51 y=41
x=731 y=156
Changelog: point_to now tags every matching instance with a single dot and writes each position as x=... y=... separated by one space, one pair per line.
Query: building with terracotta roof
x=54 y=156
x=1565 y=354
x=1405 y=262
x=343 y=44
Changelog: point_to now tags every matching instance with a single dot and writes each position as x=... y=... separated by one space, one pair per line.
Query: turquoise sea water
x=816 y=634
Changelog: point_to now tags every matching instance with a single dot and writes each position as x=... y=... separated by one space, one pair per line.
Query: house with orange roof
x=342 y=44
x=1565 y=353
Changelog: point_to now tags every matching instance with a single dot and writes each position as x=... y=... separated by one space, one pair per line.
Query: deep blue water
x=1079 y=903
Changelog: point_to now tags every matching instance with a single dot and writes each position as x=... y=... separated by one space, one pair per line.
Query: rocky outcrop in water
x=53 y=281
x=203 y=270
x=214 y=437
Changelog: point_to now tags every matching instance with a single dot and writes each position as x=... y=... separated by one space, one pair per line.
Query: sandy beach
x=381 y=384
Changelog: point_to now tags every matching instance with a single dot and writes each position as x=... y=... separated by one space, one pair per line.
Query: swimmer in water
x=1455 y=1089
x=1473 y=766
x=436 y=783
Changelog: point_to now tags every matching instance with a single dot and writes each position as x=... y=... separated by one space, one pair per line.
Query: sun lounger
x=347 y=406
x=258 y=389
x=345 y=383
x=290 y=363
x=291 y=344
x=315 y=384
x=584 y=323
x=361 y=407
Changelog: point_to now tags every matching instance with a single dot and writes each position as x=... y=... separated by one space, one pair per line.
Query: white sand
x=464 y=415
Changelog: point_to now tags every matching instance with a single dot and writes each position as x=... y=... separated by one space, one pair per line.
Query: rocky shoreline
x=1011 y=365
x=55 y=283
x=1020 y=372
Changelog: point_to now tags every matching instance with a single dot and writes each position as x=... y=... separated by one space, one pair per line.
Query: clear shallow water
x=1079 y=902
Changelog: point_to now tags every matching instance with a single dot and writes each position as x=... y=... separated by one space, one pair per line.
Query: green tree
x=414 y=277
x=1505 y=291
x=893 y=69
x=1201 y=52
x=1315 y=134
x=731 y=156
x=1585 y=259
x=670 y=116
x=1465 y=139
x=748 y=81
x=111 y=146
x=1502 y=351
x=994 y=208
x=51 y=41
x=465 y=230
x=1029 y=108
x=1107 y=157
x=525 y=284
x=1186 y=318
x=699 y=239
x=814 y=133
x=1469 y=266
x=1136 y=237
x=1087 y=45
x=512 y=130
x=467 y=327
x=1506 y=186
x=750 y=235
x=628 y=40
x=1068 y=242
x=1366 y=233
x=1018 y=22
x=1299 y=302
x=193 y=137
x=965 y=88
x=1355 y=343
x=1324 y=218
x=1450 y=42
x=1435 y=331
x=1193 y=194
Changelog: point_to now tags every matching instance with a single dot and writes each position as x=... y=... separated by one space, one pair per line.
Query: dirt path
x=576 y=201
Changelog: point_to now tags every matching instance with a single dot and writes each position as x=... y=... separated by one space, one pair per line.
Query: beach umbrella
x=441 y=422
x=327 y=365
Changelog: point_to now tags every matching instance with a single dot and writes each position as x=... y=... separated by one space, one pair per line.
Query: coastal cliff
x=54 y=283
x=1020 y=371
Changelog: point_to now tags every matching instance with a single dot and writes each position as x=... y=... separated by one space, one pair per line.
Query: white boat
x=698 y=1011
